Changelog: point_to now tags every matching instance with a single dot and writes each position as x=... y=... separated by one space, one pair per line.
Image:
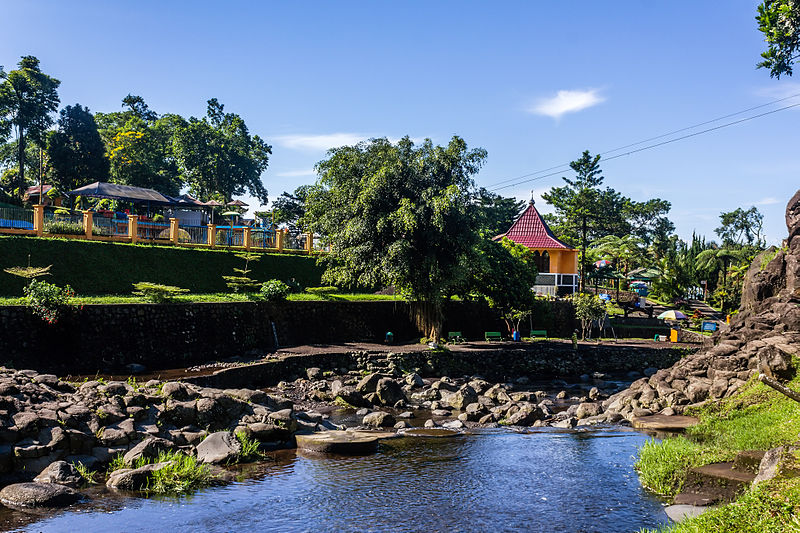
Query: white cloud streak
x=566 y=102
x=296 y=173
x=770 y=200
x=319 y=142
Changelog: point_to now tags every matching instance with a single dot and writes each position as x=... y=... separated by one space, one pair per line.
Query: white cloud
x=566 y=102
x=783 y=89
x=319 y=142
x=770 y=200
x=296 y=173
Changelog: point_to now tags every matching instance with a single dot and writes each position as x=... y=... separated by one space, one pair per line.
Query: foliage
x=779 y=21
x=28 y=97
x=76 y=151
x=623 y=251
x=156 y=293
x=29 y=272
x=289 y=208
x=182 y=474
x=240 y=282
x=219 y=155
x=588 y=307
x=64 y=227
x=48 y=301
x=496 y=213
x=250 y=447
x=274 y=290
x=322 y=290
x=662 y=465
x=741 y=227
x=397 y=215
x=76 y=262
x=86 y=474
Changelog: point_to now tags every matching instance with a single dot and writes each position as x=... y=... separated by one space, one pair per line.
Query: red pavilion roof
x=532 y=231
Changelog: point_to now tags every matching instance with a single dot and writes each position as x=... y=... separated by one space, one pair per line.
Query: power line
x=563 y=167
x=518 y=181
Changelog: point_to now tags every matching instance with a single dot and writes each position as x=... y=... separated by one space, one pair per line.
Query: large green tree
x=741 y=227
x=497 y=212
x=779 y=21
x=398 y=215
x=28 y=98
x=219 y=155
x=76 y=152
x=290 y=208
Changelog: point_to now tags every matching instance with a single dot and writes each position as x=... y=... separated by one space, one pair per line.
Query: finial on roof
x=532 y=200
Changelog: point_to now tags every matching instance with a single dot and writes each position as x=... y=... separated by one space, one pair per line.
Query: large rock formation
x=762 y=337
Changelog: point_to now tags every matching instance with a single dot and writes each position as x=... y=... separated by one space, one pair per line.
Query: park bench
x=455 y=337
x=538 y=333
x=493 y=336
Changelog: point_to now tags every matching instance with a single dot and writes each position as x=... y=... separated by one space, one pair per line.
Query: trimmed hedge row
x=96 y=268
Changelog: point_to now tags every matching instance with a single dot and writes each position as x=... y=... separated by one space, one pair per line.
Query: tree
x=291 y=208
x=76 y=151
x=779 y=21
x=28 y=97
x=219 y=155
x=588 y=307
x=398 y=215
x=741 y=227
x=623 y=251
x=138 y=108
x=497 y=213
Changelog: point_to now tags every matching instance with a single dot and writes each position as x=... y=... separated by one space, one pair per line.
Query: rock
x=60 y=472
x=770 y=464
x=219 y=447
x=403 y=424
x=414 y=380
x=697 y=391
x=133 y=479
x=368 y=383
x=586 y=410
x=175 y=390
x=406 y=415
x=453 y=424
x=567 y=423
x=440 y=412
x=314 y=373
x=36 y=495
x=149 y=448
x=341 y=442
x=268 y=432
x=525 y=416
x=462 y=397
x=389 y=392
x=561 y=395
x=776 y=362
x=378 y=419
x=351 y=396
x=284 y=419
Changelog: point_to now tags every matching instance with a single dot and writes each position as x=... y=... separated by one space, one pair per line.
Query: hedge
x=96 y=268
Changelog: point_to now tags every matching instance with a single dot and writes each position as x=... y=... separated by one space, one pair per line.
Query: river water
x=492 y=480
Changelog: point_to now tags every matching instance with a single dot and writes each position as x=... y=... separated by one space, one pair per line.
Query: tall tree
x=741 y=227
x=290 y=208
x=779 y=21
x=497 y=212
x=219 y=155
x=398 y=215
x=28 y=97
x=76 y=151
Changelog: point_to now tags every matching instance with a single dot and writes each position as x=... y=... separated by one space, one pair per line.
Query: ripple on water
x=577 y=481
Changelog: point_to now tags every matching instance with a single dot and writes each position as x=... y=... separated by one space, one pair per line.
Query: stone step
x=748 y=461
x=717 y=482
x=664 y=422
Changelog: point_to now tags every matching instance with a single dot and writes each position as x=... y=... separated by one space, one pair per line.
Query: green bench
x=538 y=333
x=455 y=337
x=493 y=336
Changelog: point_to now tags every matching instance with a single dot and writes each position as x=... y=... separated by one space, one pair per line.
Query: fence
x=16 y=218
x=91 y=225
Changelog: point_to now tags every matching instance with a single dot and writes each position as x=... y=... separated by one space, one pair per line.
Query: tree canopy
x=397 y=215
x=779 y=21
x=741 y=227
x=76 y=152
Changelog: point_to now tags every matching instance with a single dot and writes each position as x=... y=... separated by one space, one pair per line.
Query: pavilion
x=556 y=261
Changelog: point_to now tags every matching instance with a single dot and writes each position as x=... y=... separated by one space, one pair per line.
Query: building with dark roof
x=557 y=262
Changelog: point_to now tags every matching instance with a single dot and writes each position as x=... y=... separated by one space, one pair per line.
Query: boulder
x=586 y=410
x=389 y=392
x=60 y=472
x=378 y=419
x=33 y=495
x=368 y=383
x=526 y=415
x=149 y=448
x=133 y=479
x=219 y=447
x=268 y=432
x=414 y=380
x=177 y=391
x=314 y=373
x=462 y=398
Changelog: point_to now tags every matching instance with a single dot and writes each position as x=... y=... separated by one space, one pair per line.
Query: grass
x=205 y=298
x=758 y=418
x=182 y=474
x=250 y=447
x=87 y=475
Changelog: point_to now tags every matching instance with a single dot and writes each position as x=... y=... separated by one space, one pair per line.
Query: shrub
x=322 y=291
x=61 y=227
x=250 y=447
x=48 y=301
x=156 y=293
x=274 y=290
x=182 y=474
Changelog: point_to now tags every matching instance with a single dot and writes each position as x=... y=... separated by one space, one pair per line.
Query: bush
x=156 y=293
x=48 y=301
x=322 y=291
x=274 y=290
x=59 y=227
x=182 y=474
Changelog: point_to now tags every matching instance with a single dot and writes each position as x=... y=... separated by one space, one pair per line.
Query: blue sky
x=534 y=83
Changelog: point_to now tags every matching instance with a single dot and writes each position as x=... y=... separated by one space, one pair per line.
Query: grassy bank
x=212 y=297
x=98 y=268
x=758 y=418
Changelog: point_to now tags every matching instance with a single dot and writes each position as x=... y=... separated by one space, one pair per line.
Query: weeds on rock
x=250 y=447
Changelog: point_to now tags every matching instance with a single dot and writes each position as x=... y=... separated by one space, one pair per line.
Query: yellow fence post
x=280 y=236
x=309 y=242
x=133 y=228
x=38 y=219
x=88 y=222
x=173 y=230
x=212 y=235
x=247 y=234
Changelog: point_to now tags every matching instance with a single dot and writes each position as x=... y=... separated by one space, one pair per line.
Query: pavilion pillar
x=88 y=223
x=309 y=242
x=212 y=235
x=280 y=236
x=38 y=219
x=133 y=228
x=173 y=230
x=248 y=231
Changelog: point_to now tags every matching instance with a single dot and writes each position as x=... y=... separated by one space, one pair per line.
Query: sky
x=533 y=83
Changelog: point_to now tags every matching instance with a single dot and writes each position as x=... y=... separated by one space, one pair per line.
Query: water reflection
x=493 y=480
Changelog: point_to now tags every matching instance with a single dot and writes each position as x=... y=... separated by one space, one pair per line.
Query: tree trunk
x=21 y=160
x=583 y=255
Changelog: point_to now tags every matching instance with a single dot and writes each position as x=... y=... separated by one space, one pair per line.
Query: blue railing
x=149 y=231
x=110 y=227
x=16 y=218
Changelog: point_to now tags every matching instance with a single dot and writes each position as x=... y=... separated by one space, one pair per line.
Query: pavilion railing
x=262 y=238
x=150 y=231
x=63 y=223
x=110 y=227
x=194 y=234
x=16 y=218
x=230 y=236
x=295 y=240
